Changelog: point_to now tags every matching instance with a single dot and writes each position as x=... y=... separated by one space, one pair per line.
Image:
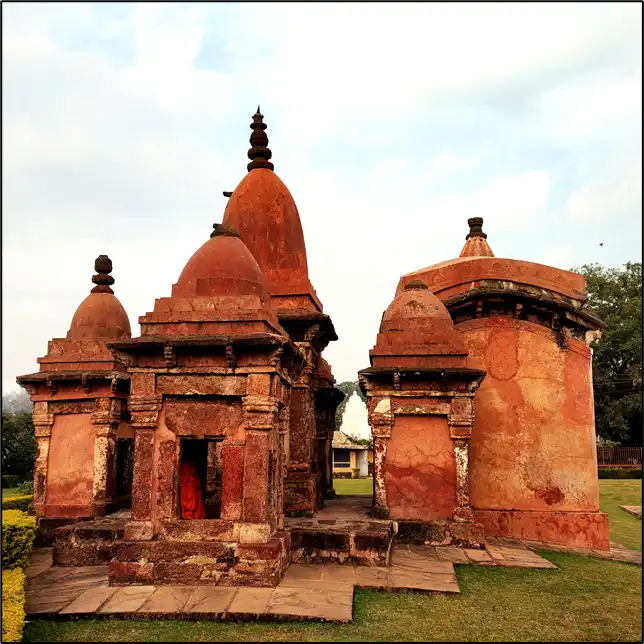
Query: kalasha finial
x=476 y=228
x=259 y=154
x=103 y=281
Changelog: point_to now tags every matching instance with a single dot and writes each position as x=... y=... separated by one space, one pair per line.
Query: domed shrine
x=80 y=411
x=200 y=451
x=531 y=461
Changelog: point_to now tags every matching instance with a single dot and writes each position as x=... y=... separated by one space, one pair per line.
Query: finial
x=224 y=230
x=227 y=194
x=476 y=228
x=103 y=281
x=259 y=154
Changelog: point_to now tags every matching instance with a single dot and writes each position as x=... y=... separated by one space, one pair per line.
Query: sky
x=391 y=124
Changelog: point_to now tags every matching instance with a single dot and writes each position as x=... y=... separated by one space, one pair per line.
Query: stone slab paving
x=306 y=592
x=616 y=552
x=635 y=510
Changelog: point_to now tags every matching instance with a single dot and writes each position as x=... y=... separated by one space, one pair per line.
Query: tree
x=18 y=444
x=615 y=296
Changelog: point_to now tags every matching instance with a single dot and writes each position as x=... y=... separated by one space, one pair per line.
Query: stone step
x=88 y=543
x=359 y=543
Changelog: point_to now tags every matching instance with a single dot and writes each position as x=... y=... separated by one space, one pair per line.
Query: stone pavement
x=635 y=510
x=306 y=592
x=616 y=552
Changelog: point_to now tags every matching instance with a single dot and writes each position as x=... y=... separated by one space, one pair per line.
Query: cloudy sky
x=390 y=123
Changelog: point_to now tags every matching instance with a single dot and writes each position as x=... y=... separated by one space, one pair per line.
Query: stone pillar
x=260 y=417
x=43 y=422
x=232 y=483
x=462 y=511
x=145 y=412
x=381 y=420
x=106 y=418
x=461 y=421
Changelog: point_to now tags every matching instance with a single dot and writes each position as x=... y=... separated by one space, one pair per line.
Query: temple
x=531 y=461
x=200 y=451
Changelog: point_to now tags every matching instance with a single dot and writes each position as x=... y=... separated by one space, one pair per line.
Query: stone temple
x=200 y=452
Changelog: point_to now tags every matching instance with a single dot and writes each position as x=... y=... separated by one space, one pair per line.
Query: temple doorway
x=124 y=473
x=200 y=479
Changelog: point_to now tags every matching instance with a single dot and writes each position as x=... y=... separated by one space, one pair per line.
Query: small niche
x=200 y=479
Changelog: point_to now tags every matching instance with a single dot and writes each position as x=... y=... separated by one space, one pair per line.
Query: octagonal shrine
x=200 y=451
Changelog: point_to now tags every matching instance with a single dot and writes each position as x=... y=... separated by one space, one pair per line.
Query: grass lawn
x=586 y=600
x=353 y=486
x=625 y=529
x=10 y=492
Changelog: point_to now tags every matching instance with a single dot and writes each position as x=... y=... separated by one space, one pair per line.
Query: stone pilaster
x=106 y=419
x=461 y=421
x=260 y=417
x=43 y=422
x=381 y=420
x=145 y=411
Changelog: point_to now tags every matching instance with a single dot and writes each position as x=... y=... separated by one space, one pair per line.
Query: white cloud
x=391 y=125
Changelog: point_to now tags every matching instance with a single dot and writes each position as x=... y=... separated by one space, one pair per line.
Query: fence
x=619 y=457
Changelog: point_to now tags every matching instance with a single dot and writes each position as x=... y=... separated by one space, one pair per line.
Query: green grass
x=10 y=492
x=625 y=529
x=353 y=486
x=586 y=600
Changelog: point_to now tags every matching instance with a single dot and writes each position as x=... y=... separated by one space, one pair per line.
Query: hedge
x=10 y=480
x=17 y=503
x=13 y=604
x=619 y=473
x=18 y=531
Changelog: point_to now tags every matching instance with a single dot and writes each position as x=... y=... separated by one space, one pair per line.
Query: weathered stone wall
x=533 y=445
x=70 y=471
x=420 y=468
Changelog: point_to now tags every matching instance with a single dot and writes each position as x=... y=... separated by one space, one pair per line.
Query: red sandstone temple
x=200 y=451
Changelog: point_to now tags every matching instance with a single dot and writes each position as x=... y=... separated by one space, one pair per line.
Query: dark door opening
x=200 y=479
x=124 y=473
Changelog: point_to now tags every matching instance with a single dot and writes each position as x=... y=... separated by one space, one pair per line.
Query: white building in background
x=355 y=420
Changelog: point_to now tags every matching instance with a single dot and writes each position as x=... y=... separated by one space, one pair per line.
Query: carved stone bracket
x=144 y=411
x=169 y=356
x=231 y=361
x=260 y=412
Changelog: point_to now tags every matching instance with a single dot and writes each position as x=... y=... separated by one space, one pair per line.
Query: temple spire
x=259 y=154
x=476 y=240
x=103 y=279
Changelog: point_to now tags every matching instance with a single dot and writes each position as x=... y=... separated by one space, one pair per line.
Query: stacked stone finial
x=259 y=154
x=476 y=228
x=103 y=279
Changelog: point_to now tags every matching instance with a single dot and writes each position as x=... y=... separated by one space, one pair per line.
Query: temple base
x=463 y=534
x=200 y=562
x=88 y=543
x=575 y=529
x=46 y=527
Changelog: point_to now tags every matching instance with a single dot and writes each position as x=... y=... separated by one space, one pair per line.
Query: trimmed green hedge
x=13 y=604
x=17 y=503
x=619 y=473
x=18 y=531
x=10 y=480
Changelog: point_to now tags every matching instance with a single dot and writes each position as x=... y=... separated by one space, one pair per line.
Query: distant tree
x=18 y=444
x=615 y=295
x=15 y=401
